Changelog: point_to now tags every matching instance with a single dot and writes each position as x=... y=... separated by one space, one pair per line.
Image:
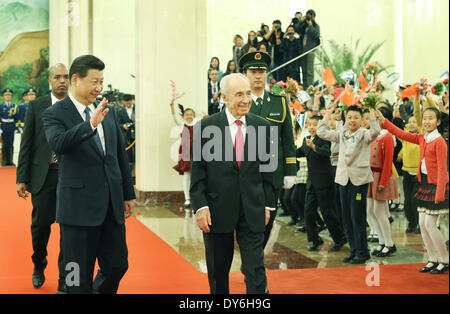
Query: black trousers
x=273 y=215
x=219 y=249
x=324 y=199
x=42 y=218
x=84 y=245
x=410 y=187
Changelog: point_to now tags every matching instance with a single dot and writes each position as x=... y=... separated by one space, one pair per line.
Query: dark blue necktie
x=96 y=136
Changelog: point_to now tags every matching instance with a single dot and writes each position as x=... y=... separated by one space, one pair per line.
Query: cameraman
x=311 y=39
x=127 y=120
x=275 y=38
x=291 y=47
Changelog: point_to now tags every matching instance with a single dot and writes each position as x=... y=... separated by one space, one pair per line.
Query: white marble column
x=70 y=25
x=171 y=41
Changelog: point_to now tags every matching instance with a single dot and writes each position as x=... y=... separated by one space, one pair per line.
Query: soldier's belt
x=7 y=120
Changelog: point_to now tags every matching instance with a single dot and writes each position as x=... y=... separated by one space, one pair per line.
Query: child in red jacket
x=382 y=189
x=432 y=196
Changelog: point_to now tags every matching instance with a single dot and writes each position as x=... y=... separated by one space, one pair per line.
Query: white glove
x=288 y=183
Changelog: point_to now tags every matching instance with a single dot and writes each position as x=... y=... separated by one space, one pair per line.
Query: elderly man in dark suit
x=95 y=190
x=37 y=173
x=232 y=189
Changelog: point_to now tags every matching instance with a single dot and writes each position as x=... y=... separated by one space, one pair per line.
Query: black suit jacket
x=320 y=173
x=123 y=118
x=89 y=182
x=35 y=153
x=223 y=186
x=213 y=107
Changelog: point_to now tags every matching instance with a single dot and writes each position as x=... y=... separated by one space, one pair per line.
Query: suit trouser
x=354 y=217
x=324 y=199
x=273 y=215
x=42 y=218
x=84 y=245
x=219 y=256
x=410 y=187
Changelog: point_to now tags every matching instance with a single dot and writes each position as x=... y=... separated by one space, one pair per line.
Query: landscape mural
x=24 y=46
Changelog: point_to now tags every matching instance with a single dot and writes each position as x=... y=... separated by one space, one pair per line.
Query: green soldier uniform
x=274 y=109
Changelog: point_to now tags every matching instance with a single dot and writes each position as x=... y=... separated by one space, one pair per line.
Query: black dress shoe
x=428 y=267
x=442 y=268
x=316 y=245
x=338 y=246
x=377 y=250
x=388 y=250
x=62 y=289
x=38 y=277
x=348 y=258
x=359 y=259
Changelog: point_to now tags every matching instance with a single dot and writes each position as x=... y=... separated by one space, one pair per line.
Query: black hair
x=312 y=12
x=218 y=63
x=127 y=97
x=387 y=113
x=83 y=64
x=436 y=111
x=228 y=71
x=355 y=108
x=276 y=22
x=439 y=117
x=318 y=118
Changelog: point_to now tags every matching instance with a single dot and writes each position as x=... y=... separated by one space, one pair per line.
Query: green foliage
x=344 y=57
x=17 y=78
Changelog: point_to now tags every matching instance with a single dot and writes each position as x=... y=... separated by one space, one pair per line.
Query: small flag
x=303 y=97
x=301 y=119
x=393 y=77
x=347 y=75
x=328 y=77
x=347 y=98
x=410 y=91
x=444 y=75
x=362 y=80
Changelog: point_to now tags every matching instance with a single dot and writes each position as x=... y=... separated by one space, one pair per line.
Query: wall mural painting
x=24 y=46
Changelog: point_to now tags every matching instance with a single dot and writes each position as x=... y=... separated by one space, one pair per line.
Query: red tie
x=239 y=143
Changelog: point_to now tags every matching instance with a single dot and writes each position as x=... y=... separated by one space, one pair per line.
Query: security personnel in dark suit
x=95 y=192
x=8 y=120
x=320 y=189
x=126 y=117
x=230 y=193
x=276 y=111
x=37 y=173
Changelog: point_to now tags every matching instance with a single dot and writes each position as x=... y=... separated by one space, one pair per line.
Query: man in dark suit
x=37 y=173
x=95 y=190
x=319 y=188
x=275 y=110
x=127 y=118
x=213 y=92
x=231 y=190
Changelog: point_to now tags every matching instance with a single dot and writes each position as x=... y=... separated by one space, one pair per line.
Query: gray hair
x=52 y=69
x=225 y=82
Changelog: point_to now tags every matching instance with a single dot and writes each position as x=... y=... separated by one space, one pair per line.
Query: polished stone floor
x=286 y=249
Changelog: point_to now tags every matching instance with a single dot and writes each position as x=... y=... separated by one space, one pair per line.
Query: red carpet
x=155 y=268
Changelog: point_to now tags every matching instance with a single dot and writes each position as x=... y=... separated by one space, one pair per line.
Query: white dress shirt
x=81 y=108
x=428 y=139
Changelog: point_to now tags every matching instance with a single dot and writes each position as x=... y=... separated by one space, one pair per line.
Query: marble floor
x=286 y=249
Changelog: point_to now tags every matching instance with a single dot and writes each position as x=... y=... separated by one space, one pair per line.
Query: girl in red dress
x=432 y=195
x=186 y=123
